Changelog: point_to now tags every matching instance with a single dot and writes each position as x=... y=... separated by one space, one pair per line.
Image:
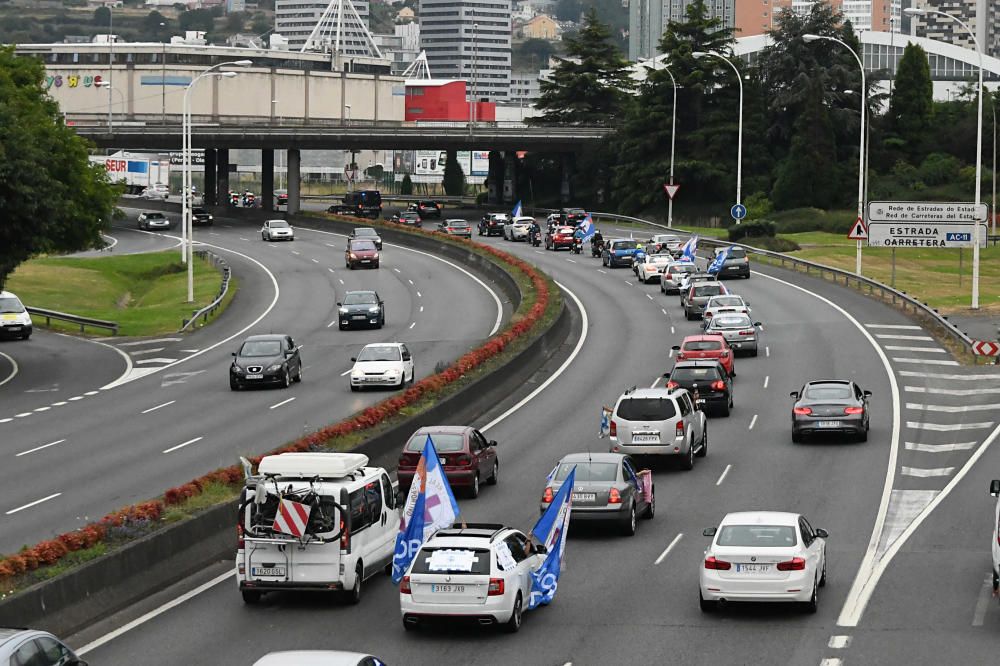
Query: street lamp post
x=473 y=88
x=163 y=79
x=920 y=11
x=739 y=141
x=861 y=144
x=673 y=144
x=186 y=229
x=111 y=63
x=121 y=95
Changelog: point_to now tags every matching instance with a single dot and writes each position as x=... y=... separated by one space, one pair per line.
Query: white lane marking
x=831 y=661
x=722 y=477
x=41 y=409
x=766 y=380
x=155 y=360
x=585 y=326
x=900 y=327
x=24 y=414
x=888 y=336
x=35 y=503
x=950 y=409
x=409 y=280
x=173 y=603
x=602 y=271
x=539 y=252
x=649 y=297
x=919 y=350
x=283 y=402
x=91 y=393
x=39 y=448
x=329 y=244
x=315 y=261
x=671 y=330
x=346 y=372
x=937 y=375
x=111 y=245
x=296 y=253
x=8 y=420
x=421 y=308
x=767 y=351
x=939 y=448
x=865 y=580
x=753 y=422
x=926 y=473
x=664 y=311
x=189 y=351
x=628 y=283
x=666 y=551
x=181 y=446
x=330 y=269
x=139 y=343
x=413 y=324
x=332 y=323
x=59 y=404
x=670 y=354
x=397 y=270
x=839 y=642
x=655 y=382
x=246 y=239
x=923 y=361
x=341 y=281
x=949 y=427
x=572 y=261
x=419 y=295
x=951 y=391
x=75 y=398
x=153 y=409
x=212 y=233
x=982 y=602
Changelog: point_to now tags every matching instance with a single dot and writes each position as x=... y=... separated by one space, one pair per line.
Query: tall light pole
x=111 y=62
x=739 y=141
x=163 y=79
x=186 y=230
x=919 y=11
x=673 y=144
x=861 y=144
x=473 y=88
x=121 y=95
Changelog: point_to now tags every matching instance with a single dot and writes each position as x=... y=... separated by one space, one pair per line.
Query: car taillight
x=718 y=385
x=463 y=460
x=750 y=332
x=672 y=384
x=240 y=543
x=614 y=497
x=613 y=429
x=854 y=410
x=679 y=429
x=718 y=565
x=680 y=356
x=725 y=354
x=404 y=585
x=794 y=564
x=345 y=536
x=547 y=496
x=804 y=411
x=496 y=588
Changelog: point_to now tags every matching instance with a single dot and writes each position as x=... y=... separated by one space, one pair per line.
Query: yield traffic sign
x=671 y=190
x=859 y=231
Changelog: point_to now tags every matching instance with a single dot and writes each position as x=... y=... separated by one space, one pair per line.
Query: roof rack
x=458 y=529
x=312 y=465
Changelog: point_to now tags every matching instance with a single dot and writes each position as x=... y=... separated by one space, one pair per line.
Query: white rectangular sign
x=926 y=211
x=926 y=234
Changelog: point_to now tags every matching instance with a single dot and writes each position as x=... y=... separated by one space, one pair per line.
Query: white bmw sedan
x=763 y=556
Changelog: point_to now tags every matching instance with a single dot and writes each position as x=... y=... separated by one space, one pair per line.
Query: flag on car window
x=550 y=530
x=587 y=227
x=291 y=518
x=517 y=212
x=605 y=422
x=719 y=261
x=430 y=506
x=690 y=247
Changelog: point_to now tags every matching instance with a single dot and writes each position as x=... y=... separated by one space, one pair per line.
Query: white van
x=995 y=543
x=349 y=536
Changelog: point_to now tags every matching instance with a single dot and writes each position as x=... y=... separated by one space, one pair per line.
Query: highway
x=87 y=428
x=634 y=599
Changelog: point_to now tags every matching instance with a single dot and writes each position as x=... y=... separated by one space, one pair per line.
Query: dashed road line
x=951 y=391
x=983 y=601
x=41 y=409
x=950 y=409
x=649 y=297
x=666 y=551
x=949 y=427
x=937 y=375
x=397 y=270
x=315 y=261
x=24 y=414
x=671 y=330
x=296 y=253
x=146 y=361
x=39 y=448
x=283 y=402
x=182 y=445
x=35 y=503
x=629 y=283
x=599 y=270
x=722 y=477
x=839 y=642
x=767 y=351
x=413 y=324
x=419 y=295
x=138 y=343
x=832 y=661
x=889 y=336
x=766 y=380
x=153 y=409
x=753 y=422
x=664 y=311
x=340 y=280
x=329 y=269
x=920 y=350
x=898 y=327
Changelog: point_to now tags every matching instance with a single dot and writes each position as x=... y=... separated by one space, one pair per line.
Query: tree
x=197 y=19
x=911 y=111
x=52 y=199
x=532 y=54
x=805 y=175
x=406 y=185
x=151 y=28
x=454 y=177
x=102 y=16
x=588 y=86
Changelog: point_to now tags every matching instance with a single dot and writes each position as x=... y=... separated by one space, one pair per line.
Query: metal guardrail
x=83 y=322
x=209 y=309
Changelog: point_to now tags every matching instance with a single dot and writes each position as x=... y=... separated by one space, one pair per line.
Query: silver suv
x=35 y=648
x=659 y=422
x=697 y=295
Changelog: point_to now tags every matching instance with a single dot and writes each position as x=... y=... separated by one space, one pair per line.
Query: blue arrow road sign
x=738 y=211
x=963 y=237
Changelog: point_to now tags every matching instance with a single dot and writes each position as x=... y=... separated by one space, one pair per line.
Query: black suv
x=492 y=224
x=426 y=208
x=737 y=264
x=705 y=380
x=201 y=217
x=364 y=203
x=361 y=308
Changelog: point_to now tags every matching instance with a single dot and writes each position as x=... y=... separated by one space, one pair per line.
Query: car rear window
x=564 y=230
x=757 y=536
x=702 y=345
x=737 y=253
x=646 y=409
x=708 y=290
x=828 y=392
x=472 y=561
x=588 y=471
x=443 y=442
x=682 y=268
x=726 y=302
x=694 y=374
x=732 y=322
x=626 y=245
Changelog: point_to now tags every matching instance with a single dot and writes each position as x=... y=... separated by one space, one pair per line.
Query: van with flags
x=314 y=522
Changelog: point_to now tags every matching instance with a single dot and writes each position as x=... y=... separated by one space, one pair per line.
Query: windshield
x=11 y=304
x=278 y=224
x=757 y=536
x=708 y=290
x=660 y=260
x=626 y=245
x=828 y=392
x=702 y=345
x=588 y=471
x=362 y=245
x=379 y=353
x=564 y=230
x=694 y=374
x=154 y=216
x=360 y=298
x=458 y=224
x=474 y=561
x=261 y=348
x=666 y=239
x=444 y=442
x=646 y=409
x=726 y=302
x=731 y=322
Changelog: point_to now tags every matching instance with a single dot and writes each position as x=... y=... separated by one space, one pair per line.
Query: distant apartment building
x=648 y=20
x=525 y=88
x=982 y=16
x=469 y=40
x=755 y=18
x=541 y=26
x=410 y=34
x=405 y=15
x=295 y=19
x=401 y=48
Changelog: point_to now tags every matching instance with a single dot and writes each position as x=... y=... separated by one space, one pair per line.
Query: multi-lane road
x=908 y=514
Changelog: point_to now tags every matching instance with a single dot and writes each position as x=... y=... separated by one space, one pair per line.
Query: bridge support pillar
x=211 y=199
x=294 y=161
x=494 y=178
x=267 y=179
x=565 y=172
x=510 y=177
x=222 y=171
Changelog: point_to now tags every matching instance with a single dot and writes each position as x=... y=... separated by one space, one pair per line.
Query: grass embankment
x=145 y=293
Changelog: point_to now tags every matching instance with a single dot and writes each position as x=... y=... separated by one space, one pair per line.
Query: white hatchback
x=652 y=267
x=480 y=572
x=276 y=230
x=382 y=364
x=517 y=229
x=763 y=556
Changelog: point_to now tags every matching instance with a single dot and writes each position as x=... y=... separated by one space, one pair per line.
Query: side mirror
x=709 y=531
x=676 y=347
x=868 y=394
x=234 y=354
x=289 y=353
x=492 y=443
x=666 y=375
x=757 y=324
x=339 y=304
x=794 y=394
x=995 y=487
x=821 y=533
x=354 y=359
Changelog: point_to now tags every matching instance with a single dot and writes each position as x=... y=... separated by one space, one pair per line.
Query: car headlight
x=343 y=310
x=353 y=256
x=274 y=368
x=356 y=374
x=392 y=372
x=237 y=369
x=373 y=309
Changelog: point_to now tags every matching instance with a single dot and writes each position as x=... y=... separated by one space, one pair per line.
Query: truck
x=136 y=170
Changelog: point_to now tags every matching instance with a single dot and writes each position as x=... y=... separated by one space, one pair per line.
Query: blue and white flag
x=587 y=227
x=719 y=261
x=605 y=422
x=550 y=530
x=689 y=249
x=517 y=212
x=430 y=506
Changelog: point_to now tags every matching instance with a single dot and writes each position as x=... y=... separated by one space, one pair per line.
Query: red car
x=559 y=237
x=361 y=253
x=468 y=458
x=697 y=347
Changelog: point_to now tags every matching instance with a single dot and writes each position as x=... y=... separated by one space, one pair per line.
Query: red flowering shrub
x=50 y=552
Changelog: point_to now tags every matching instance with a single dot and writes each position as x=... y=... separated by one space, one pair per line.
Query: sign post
x=738 y=211
x=859 y=232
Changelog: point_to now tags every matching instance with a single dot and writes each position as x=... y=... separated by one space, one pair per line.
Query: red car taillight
x=463 y=460
x=718 y=385
x=345 y=536
x=672 y=384
x=718 y=565
x=547 y=496
x=794 y=564
x=679 y=429
x=496 y=588
x=854 y=410
x=240 y=543
x=750 y=332
x=802 y=411
x=404 y=585
x=614 y=497
x=613 y=430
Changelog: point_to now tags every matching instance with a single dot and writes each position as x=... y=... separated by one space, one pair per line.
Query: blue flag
x=517 y=212
x=551 y=531
x=605 y=422
x=587 y=227
x=719 y=261
x=689 y=249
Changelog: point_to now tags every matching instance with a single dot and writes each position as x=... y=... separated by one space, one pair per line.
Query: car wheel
x=341 y=327
x=514 y=623
x=298 y=375
x=262 y=237
x=812 y=605
x=286 y=380
x=355 y=388
x=494 y=477
x=724 y=410
x=796 y=438
x=687 y=463
x=651 y=509
x=863 y=435
x=706 y=606
x=354 y=595
x=703 y=449
x=26 y=336
x=687 y=314
x=753 y=352
x=474 y=489
x=822 y=578
x=628 y=527
x=250 y=596
x=233 y=386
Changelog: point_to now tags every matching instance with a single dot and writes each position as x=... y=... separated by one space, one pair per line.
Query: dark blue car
x=619 y=253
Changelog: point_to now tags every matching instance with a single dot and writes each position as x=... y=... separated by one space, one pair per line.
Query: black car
x=830 y=406
x=342 y=209
x=265 y=359
x=492 y=224
x=407 y=219
x=426 y=208
x=361 y=308
x=201 y=217
x=364 y=203
x=367 y=233
x=705 y=380
x=572 y=216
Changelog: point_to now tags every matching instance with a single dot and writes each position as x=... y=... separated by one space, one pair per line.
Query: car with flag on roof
x=731 y=261
x=468 y=458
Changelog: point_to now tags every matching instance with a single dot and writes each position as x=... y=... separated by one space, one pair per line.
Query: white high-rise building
x=469 y=40
x=295 y=19
x=648 y=21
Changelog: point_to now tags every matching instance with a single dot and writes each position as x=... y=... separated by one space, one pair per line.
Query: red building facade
x=444 y=100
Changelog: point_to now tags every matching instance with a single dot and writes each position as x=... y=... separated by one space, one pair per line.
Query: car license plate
x=453 y=589
x=366 y=261
x=357 y=316
x=267 y=571
x=255 y=376
x=829 y=424
x=645 y=439
x=752 y=568
x=584 y=497
x=13 y=328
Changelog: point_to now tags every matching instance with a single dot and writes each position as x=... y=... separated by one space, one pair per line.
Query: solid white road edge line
x=983 y=602
x=13 y=372
x=31 y=504
x=39 y=448
x=722 y=477
x=870 y=570
x=666 y=551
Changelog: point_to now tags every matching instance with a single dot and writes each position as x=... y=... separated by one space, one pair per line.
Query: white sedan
x=652 y=267
x=276 y=230
x=673 y=275
x=728 y=304
x=382 y=364
x=763 y=556
x=517 y=229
